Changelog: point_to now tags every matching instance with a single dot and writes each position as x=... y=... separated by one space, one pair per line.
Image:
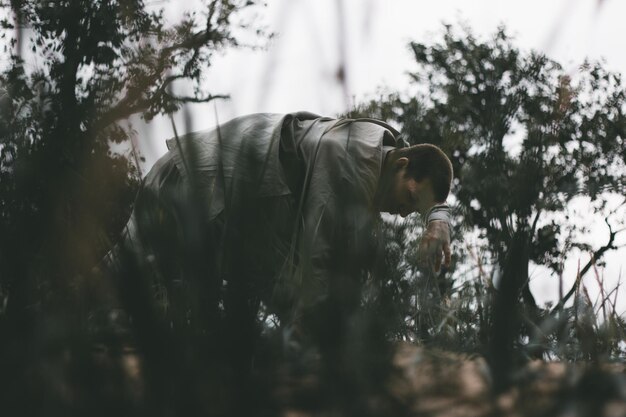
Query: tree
x=525 y=138
x=76 y=69
x=64 y=193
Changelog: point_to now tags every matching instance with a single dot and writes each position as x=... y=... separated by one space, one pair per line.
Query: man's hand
x=435 y=245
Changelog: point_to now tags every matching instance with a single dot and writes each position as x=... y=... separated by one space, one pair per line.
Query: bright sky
x=298 y=70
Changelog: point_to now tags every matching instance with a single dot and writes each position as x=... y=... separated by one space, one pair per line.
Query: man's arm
x=434 y=246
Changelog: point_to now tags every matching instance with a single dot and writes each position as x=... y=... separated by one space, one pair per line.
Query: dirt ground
x=442 y=384
x=448 y=385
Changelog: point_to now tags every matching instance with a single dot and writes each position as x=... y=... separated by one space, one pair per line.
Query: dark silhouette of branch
x=136 y=100
x=534 y=226
x=596 y=256
x=190 y=99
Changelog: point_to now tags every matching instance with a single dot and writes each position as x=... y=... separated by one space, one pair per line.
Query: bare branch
x=594 y=257
x=190 y=99
x=535 y=220
x=135 y=100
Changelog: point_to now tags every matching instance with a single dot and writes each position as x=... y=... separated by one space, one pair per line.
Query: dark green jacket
x=330 y=168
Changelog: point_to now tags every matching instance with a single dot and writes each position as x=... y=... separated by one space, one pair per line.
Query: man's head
x=417 y=178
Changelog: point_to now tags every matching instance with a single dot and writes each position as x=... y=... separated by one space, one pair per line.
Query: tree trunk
x=506 y=320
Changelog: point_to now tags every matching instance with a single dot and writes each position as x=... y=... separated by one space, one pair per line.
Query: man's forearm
x=438 y=212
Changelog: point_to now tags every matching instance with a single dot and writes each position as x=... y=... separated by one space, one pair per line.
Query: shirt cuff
x=439 y=212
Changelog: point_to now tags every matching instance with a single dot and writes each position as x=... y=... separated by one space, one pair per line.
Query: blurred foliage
x=525 y=138
x=75 y=70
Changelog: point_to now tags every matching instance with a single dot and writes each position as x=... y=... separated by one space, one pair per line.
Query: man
x=283 y=209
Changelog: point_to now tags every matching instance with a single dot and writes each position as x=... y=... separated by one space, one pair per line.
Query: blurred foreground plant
x=75 y=71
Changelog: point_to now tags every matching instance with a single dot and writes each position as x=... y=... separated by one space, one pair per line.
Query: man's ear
x=401 y=162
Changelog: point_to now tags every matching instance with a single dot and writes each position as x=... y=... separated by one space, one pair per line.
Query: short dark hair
x=429 y=161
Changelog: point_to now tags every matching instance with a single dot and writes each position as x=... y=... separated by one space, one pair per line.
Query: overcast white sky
x=298 y=70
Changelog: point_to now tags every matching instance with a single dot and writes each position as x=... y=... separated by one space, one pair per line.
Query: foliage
x=85 y=66
x=75 y=71
x=64 y=197
x=525 y=138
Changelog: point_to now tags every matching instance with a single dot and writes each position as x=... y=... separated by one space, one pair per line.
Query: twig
x=602 y=292
x=607 y=298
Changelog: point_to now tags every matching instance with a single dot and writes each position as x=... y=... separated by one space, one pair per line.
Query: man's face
x=407 y=195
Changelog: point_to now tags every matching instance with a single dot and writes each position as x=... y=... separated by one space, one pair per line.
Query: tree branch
x=135 y=102
x=189 y=99
x=534 y=226
x=594 y=257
